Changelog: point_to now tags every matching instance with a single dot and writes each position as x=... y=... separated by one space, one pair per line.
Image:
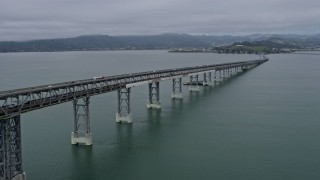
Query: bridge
x=18 y=101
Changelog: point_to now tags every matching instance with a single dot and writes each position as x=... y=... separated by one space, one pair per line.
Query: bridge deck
x=17 y=101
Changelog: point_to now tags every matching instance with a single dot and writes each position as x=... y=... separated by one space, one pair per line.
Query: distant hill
x=162 y=41
x=274 y=44
x=105 y=42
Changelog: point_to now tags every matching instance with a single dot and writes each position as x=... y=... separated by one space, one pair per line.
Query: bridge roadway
x=18 y=101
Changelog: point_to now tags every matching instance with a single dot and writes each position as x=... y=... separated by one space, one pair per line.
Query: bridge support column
x=217 y=77
x=177 y=88
x=154 y=96
x=124 y=109
x=10 y=149
x=222 y=74
x=81 y=126
x=194 y=83
x=234 y=71
x=207 y=79
x=226 y=73
x=231 y=72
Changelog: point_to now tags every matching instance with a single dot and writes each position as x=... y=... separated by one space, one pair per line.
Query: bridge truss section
x=207 y=79
x=81 y=125
x=154 y=96
x=177 y=88
x=124 y=108
x=10 y=149
x=194 y=83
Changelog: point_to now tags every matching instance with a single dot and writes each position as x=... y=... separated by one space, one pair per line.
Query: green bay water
x=263 y=124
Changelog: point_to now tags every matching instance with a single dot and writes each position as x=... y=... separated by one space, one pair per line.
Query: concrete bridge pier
x=207 y=79
x=177 y=88
x=223 y=74
x=237 y=70
x=124 y=108
x=81 y=126
x=227 y=73
x=10 y=149
x=154 y=96
x=233 y=71
x=194 y=83
x=217 y=77
x=230 y=72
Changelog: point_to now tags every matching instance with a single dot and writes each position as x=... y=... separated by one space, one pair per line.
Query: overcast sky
x=38 y=19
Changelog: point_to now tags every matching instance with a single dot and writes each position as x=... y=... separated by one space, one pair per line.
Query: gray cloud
x=38 y=19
